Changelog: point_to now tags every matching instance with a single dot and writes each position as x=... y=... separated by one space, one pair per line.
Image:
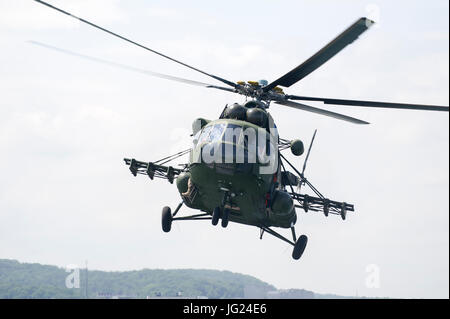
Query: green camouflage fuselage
x=252 y=194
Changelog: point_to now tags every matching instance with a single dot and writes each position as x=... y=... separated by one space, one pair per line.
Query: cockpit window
x=244 y=137
x=210 y=134
x=202 y=135
x=232 y=133
x=216 y=132
x=244 y=142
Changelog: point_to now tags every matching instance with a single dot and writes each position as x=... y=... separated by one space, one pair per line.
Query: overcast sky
x=66 y=124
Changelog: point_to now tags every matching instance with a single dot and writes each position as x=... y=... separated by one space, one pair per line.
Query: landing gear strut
x=299 y=244
x=167 y=217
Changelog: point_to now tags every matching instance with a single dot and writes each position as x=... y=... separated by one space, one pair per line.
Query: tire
x=215 y=216
x=299 y=247
x=225 y=217
x=166 y=219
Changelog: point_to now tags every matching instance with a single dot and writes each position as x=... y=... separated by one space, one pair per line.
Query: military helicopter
x=236 y=171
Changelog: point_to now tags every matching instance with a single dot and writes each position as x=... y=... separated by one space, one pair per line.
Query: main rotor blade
x=322 y=56
x=322 y=112
x=404 y=106
x=232 y=84
x=131 y=68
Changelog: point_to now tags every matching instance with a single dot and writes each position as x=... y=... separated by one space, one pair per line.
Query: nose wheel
x=220 y=214
x=225 y=217
x=215 y=216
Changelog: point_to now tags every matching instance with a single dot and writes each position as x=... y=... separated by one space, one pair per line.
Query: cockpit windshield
x=238 y=143
x=216 y=132
x=230 y=133
x=210 y=134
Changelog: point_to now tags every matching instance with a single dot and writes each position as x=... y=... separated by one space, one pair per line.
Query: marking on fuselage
x=232 y=207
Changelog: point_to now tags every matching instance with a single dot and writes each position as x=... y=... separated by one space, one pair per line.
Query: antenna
x=302 y=175
x=309 y=151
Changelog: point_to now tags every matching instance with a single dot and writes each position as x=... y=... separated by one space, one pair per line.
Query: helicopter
x=236 y=171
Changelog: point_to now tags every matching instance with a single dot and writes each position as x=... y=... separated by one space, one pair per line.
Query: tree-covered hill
x=25 y=280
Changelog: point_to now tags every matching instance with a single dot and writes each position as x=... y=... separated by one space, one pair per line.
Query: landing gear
x=215 y=216
x=166 y=219
x=225 y=217
x=219 y=213
x=299 y=247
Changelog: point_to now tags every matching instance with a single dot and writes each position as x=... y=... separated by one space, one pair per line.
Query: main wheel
x=225 y=215
x=299 y=247
x=166 y=219
x=215 y=216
